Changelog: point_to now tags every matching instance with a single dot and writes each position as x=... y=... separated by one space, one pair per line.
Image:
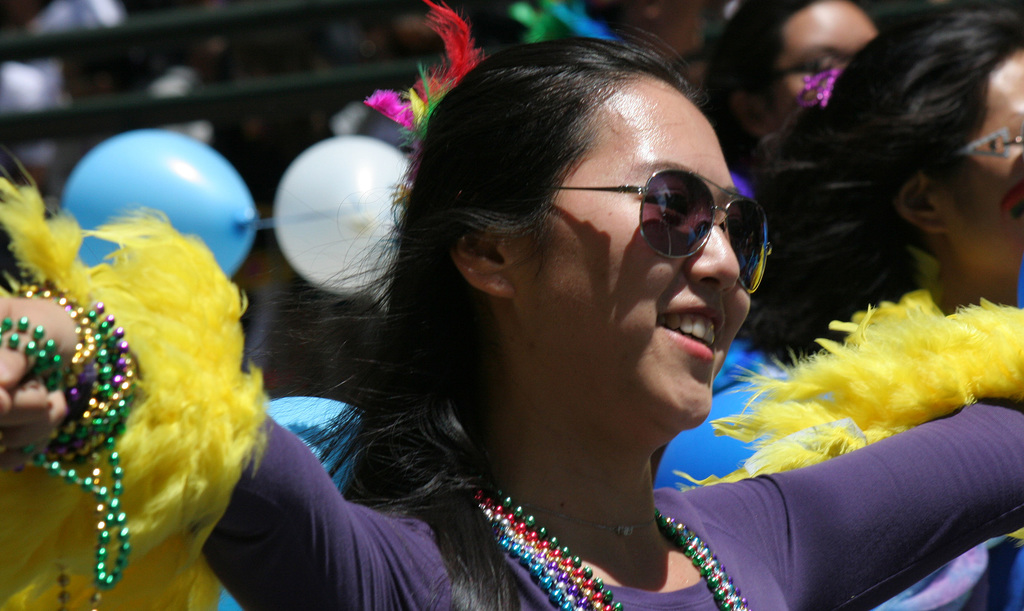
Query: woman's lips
x=1013 y=202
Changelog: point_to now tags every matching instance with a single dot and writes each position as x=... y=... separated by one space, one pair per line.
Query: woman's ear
x=753 y=112
x=921 y=201
x=486 y=261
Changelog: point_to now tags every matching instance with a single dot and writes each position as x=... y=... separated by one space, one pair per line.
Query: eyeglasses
x=996 y=144
x=678 y=212
x=817 y=65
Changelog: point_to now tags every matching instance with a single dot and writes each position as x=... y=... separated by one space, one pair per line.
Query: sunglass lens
x=677 y=213
x=747 y=231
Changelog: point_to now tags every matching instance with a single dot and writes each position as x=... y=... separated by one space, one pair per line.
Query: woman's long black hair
x=495 y=149
x=904 y=105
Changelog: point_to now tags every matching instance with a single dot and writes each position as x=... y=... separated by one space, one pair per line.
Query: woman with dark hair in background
x=910 y=178
x=759 y=62
x=906 y=187
x=569 y=269
x=759 y=67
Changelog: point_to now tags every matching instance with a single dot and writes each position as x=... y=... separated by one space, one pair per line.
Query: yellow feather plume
x=902 y=364
x=196 y=421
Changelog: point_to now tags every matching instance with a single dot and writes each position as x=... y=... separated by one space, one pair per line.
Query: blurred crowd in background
x=259 y=147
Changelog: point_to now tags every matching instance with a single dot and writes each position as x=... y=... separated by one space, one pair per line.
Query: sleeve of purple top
x=845 y=534
x=289 y=540
x=860 y=528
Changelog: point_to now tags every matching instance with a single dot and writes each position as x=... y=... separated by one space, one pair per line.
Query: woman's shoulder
x=319 y=546
x=742 y=525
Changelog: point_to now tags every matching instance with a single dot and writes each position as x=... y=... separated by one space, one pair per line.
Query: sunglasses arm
x=619 y=189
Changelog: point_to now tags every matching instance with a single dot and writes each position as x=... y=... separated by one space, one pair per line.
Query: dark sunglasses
x=678 y=212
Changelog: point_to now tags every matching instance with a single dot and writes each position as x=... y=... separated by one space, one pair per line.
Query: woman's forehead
x=648 y=125
x=1006 y=88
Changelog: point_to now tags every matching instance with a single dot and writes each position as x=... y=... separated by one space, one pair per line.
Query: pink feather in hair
x=389 y=103
x=412 y=110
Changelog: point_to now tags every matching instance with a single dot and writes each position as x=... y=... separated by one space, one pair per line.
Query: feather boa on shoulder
x=196 y=420
x=901 y=364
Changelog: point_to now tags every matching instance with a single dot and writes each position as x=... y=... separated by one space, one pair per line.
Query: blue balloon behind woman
x=195 y=186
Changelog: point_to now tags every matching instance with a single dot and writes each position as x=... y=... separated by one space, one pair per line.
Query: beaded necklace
x=570 y=584
x=99 y=400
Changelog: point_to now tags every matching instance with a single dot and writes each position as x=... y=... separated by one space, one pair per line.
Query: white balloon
x=333 y=209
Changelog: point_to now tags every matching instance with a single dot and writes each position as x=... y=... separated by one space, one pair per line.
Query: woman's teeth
x=697 y=327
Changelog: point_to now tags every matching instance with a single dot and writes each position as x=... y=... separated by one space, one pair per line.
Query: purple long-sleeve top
x=846 y=534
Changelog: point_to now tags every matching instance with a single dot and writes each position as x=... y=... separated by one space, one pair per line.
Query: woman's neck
x=606 y=518
x=555 y=459
x=959 y=288
x=562 y=450
x=582 y=488
x=958 y=282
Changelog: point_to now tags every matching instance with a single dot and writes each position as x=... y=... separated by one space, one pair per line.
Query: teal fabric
x=304 y=416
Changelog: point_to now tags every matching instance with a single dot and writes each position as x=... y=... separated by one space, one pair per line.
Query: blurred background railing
x=260 y=82
x=171 y=29
x=290 y=94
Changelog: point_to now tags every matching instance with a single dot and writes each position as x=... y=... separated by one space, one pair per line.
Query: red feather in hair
x=461 y=54
x=412 y=111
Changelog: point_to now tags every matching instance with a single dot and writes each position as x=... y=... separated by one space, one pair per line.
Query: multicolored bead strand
x=693 y=547
x=85 y=346
x=570 y=584
x=109 y=394
x=99 y=378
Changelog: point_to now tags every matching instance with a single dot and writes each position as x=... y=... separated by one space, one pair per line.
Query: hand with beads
x=29 y=413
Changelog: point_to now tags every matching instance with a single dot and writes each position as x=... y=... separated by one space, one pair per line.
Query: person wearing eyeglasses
x=909 y=179
x=570 y=265
x=904 y=194
x=758 y=64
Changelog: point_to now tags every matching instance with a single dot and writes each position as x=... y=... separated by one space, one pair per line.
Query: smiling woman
x=615 y=288
x=534 y=341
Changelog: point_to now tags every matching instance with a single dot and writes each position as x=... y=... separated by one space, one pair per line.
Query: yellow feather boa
x=195 y=423
x=901 y=364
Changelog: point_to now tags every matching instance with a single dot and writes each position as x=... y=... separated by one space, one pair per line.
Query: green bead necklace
x=111 y=524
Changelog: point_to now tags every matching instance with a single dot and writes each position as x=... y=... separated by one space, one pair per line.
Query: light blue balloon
x=195 y=186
